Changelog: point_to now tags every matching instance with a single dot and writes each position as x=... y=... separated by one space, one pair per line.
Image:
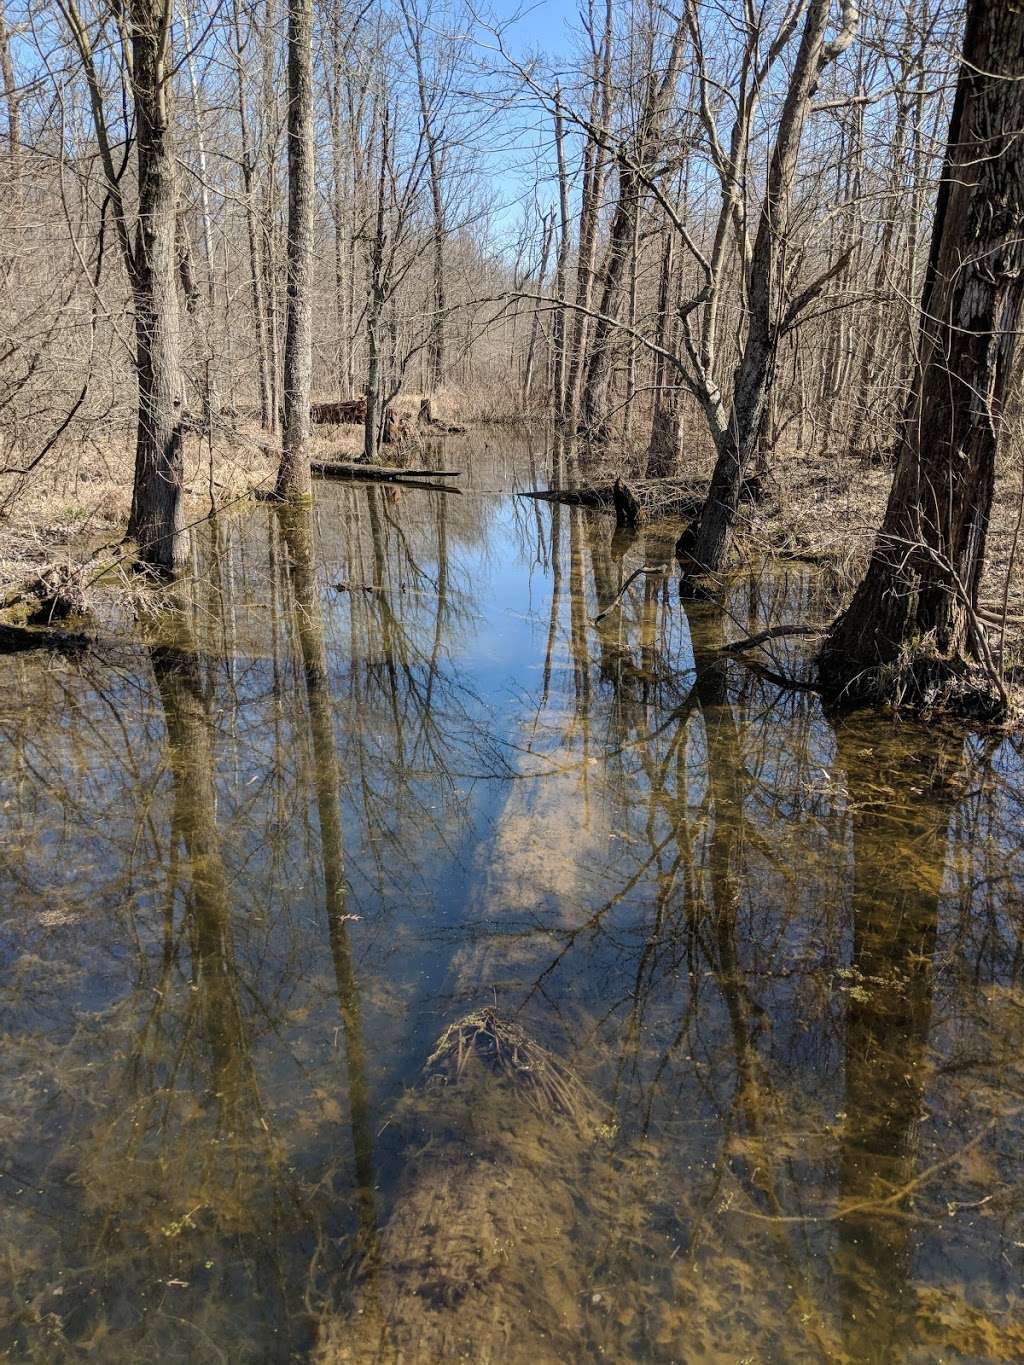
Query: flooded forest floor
x=409 y=949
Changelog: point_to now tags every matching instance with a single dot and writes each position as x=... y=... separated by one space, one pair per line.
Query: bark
x=156 y=520
x=293 y=477
x=666 y=425
x=595 y=163
x=247 y=168
x=927 y=562
x=378 y=293
x=560 y=333
x=436 y=343
x=531 y=349
x=645 y=145
x=211 y=402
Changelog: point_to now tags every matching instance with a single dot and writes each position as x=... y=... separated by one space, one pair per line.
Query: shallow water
x=252 y=865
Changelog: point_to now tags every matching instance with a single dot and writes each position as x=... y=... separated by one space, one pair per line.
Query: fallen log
x=478 y=1260
x=638 y=501
x=649 y=499
x=378 y=473
x=427 y=480
x=349 y=411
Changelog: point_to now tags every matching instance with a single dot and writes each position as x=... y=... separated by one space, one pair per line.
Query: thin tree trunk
x=704 y=550
x=155 y=522
x=561 y=266
x=375 y=305
x=247 y=168
x=664 y=447
x=531 y=349
x=293 y=476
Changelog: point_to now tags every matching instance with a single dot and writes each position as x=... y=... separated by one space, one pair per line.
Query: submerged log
x=477 y=1261
x=646 y=499
x=637 y=501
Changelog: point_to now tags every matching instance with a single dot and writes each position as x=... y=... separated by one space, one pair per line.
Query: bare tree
x=293 y=478
x=151 y=261
x=772 y=310
x=924 y=575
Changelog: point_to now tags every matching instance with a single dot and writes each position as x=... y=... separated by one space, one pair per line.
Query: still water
x=354 y=780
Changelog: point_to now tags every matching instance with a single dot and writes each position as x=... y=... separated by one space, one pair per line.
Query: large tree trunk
x=926 y=566
x=156 y=521
x=293 y=476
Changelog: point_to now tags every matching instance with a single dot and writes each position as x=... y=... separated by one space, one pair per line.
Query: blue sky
x=542 y=25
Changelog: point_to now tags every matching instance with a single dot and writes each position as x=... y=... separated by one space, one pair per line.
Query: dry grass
x=80 y=498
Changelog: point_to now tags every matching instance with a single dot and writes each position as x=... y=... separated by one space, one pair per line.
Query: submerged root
x=502 y=1047
x=921 y=680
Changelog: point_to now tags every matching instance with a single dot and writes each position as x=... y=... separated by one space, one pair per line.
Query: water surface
x=342 y=788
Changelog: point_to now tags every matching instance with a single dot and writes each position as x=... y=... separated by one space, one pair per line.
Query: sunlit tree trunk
x=293 y=478
x=767 y=311
x=155 y=522
x=247 y=169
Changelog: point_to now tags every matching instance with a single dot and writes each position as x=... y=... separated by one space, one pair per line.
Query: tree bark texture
x=925 y=570
x=293 y=477
x=155 y=522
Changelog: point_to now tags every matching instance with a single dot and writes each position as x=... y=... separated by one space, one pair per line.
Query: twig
x=658 y=569
x=773 y=633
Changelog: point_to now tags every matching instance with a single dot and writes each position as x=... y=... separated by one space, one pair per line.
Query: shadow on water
x=369 y=771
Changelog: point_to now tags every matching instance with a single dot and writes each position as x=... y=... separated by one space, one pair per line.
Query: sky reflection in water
x=253 y=865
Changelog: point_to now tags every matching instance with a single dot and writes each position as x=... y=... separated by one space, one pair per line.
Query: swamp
x=370 y=773
x=511 y=682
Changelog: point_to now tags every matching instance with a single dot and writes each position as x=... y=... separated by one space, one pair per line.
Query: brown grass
x=79 y=499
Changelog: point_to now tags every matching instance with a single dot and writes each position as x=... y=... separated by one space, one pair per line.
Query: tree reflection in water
x=254 y=863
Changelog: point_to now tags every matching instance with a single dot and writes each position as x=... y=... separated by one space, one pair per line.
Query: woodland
x=731 y=243
x=512 y=653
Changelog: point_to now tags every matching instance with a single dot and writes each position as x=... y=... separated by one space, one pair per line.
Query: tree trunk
x=293 y=477
x=666 y=426
x=927 y=562
x=155 y=521
x=247 y=167
x=706 y=547
x=593 y=401
x=561 y=329
x=378 y=293
x=531 y=350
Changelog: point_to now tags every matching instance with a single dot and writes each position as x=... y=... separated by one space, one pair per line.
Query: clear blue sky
x=544 y=25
